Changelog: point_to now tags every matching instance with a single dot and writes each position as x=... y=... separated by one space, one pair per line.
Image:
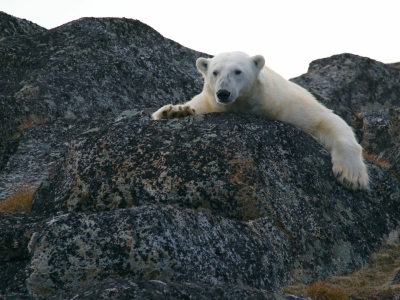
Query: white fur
x=255 y=89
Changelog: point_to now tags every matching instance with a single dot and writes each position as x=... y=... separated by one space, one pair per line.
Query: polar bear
x=236 y=82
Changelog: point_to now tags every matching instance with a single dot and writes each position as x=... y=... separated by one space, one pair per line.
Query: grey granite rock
x=219 y=206
x=349 y=84
x=17 y=232
x=82 y=70
x=380 y=134
x=11 y=26
x=248 y=172
x=156 y=289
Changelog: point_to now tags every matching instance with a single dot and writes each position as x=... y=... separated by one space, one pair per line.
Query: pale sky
x=290 y=34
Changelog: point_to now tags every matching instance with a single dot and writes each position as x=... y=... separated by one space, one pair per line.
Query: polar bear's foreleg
x=337 y=137
x=173 y=111
x=198 y=105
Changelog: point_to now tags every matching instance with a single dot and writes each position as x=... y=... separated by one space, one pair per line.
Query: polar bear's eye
x=237 y=72
x=215 y=73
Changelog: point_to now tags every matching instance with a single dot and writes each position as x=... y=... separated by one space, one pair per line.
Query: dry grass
x=322 y=291
x=19 y=201
x=372 y=282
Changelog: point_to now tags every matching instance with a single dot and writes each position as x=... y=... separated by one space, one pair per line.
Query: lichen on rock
x=218 y=206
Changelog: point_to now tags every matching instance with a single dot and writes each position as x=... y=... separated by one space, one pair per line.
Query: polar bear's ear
x=202 y=65
x=258 y=61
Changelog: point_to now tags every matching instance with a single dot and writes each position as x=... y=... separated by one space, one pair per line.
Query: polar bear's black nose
x=223 y=95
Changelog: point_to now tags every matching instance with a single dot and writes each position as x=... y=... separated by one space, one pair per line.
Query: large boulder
x=88 y=68
x=219 y=206
x=350 y=84
x=365 y=93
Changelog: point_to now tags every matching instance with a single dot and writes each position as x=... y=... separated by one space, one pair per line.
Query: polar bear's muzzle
x=223 y=96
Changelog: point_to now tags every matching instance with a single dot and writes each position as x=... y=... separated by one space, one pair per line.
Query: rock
x=396 y=278
x=366 y=93
x=34 y=153
x=12 y=26
x=252 y=174
x=219 y=206
x=155 y=289
x=82 y=70
x=350 y=84
x=17 y=232
x=395 y=65
x=151 y=243
x=380 y=132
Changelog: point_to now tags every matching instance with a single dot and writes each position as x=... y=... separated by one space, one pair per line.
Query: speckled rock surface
x=16 y=233
x=155 y=289
x=11 y=26
x=251 y=174
x=151 y=243
x=366 y=93
x=84 y=69
x=350 y=84
x=36 y=151
x=381 y=137
x=220 y=206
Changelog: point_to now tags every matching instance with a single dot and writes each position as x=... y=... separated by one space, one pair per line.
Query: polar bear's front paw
x=353 y=175
x=173 y=111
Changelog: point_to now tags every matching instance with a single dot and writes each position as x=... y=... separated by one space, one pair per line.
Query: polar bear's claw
x=173 y=111
x=353 y=177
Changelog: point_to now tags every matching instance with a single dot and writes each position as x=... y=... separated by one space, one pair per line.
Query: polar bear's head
x=230 y=76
